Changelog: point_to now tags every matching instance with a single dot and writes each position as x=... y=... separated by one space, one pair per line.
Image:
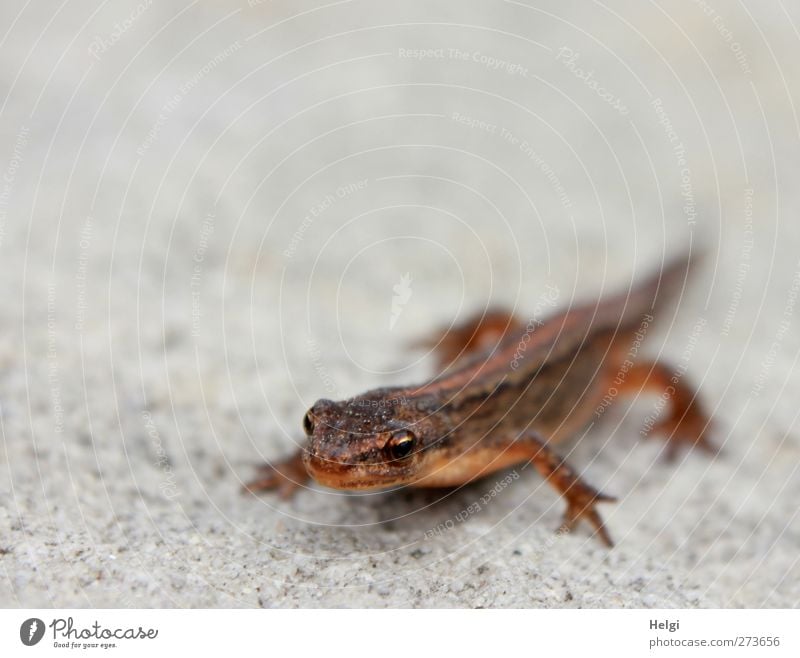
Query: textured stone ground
x=204 y=215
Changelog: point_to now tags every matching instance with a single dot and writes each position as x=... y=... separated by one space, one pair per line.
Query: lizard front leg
x=581 y=498
x=285 y=476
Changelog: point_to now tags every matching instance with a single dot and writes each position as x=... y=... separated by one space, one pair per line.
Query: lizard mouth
x=351 y=477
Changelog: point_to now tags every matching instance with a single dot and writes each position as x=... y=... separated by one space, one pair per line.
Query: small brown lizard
x=510 y=391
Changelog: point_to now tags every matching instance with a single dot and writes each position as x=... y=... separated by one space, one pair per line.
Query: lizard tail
x=628 y=306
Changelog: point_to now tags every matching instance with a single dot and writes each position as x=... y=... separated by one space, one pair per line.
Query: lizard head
x=372 y=441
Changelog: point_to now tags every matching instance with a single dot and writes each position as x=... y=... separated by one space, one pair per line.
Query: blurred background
x=212 y=214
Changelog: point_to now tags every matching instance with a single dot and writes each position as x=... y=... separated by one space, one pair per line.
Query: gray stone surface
x=170 y=312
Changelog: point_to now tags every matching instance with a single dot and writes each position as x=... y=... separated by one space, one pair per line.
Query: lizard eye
x=400 y=445
x=308 y=424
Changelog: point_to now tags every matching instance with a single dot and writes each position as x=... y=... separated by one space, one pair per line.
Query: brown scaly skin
x=505 y=401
